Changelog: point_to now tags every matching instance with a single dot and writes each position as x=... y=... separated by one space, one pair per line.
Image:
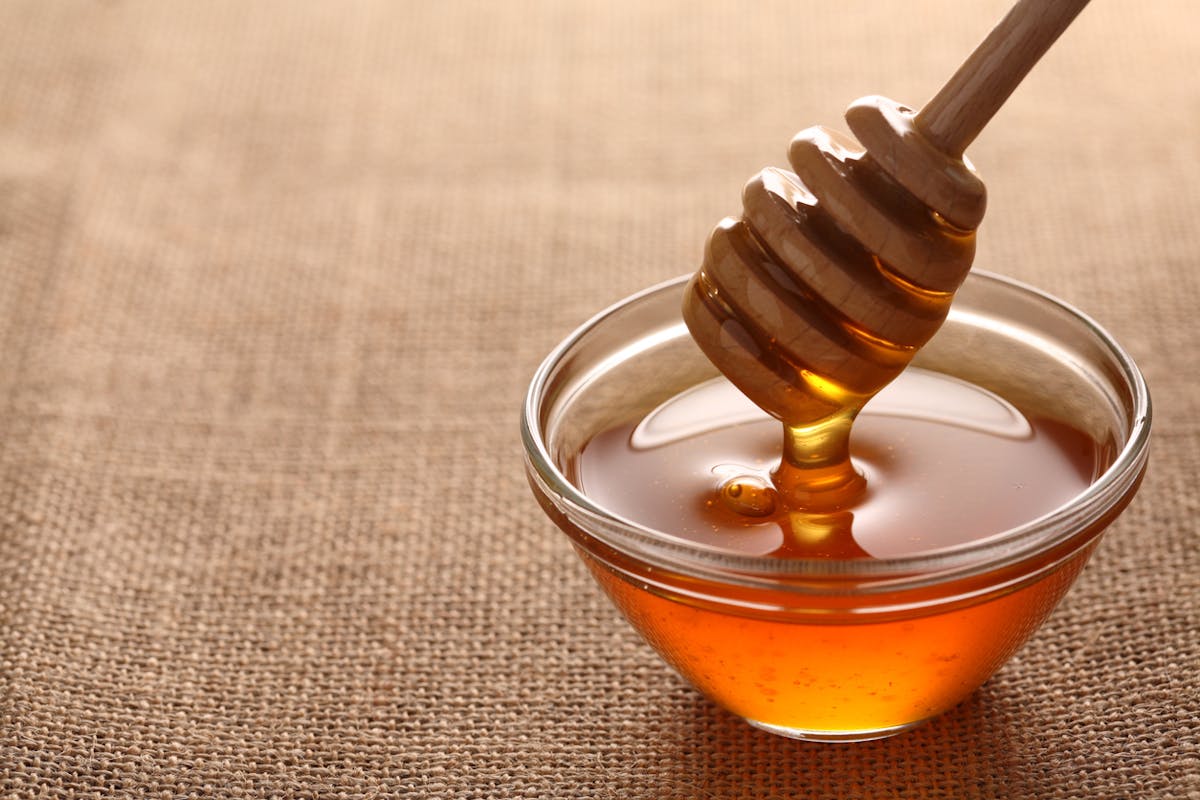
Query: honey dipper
x=838 y=272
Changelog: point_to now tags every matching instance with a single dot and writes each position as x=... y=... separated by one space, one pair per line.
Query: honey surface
x=946 y=463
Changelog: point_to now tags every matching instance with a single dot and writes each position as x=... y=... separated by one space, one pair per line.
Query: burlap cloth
x=274 y=277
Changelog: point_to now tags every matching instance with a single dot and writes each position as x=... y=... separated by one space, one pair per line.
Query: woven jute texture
x=274 y=277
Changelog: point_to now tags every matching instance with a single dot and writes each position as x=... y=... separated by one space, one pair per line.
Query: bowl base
x=806 y=735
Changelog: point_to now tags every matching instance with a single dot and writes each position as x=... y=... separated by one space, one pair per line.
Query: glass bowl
x=840 y=649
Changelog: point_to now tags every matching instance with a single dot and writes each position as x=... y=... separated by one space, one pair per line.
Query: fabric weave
x=274 y=277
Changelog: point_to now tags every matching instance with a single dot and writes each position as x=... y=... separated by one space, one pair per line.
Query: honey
x=945 y=464
x=840 y=679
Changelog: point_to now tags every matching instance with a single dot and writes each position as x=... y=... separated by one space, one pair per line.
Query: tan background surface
x=274 y=275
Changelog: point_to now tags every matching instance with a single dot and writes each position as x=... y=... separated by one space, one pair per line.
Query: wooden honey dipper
x=836 y=274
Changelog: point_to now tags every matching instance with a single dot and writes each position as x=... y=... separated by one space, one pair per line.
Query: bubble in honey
x=748 y=496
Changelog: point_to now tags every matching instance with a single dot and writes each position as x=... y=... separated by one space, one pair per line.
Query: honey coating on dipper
x=825 y=288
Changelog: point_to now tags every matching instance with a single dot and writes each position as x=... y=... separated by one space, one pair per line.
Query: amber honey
x=946 y=465
x=973 y=489
x=841 y=679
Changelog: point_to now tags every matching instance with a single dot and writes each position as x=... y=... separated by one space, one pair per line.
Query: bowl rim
x=656 y=548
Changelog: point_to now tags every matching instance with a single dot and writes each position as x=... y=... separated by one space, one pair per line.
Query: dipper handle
x=972 y=96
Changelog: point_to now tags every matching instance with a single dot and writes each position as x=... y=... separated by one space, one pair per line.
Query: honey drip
x=824 y=289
